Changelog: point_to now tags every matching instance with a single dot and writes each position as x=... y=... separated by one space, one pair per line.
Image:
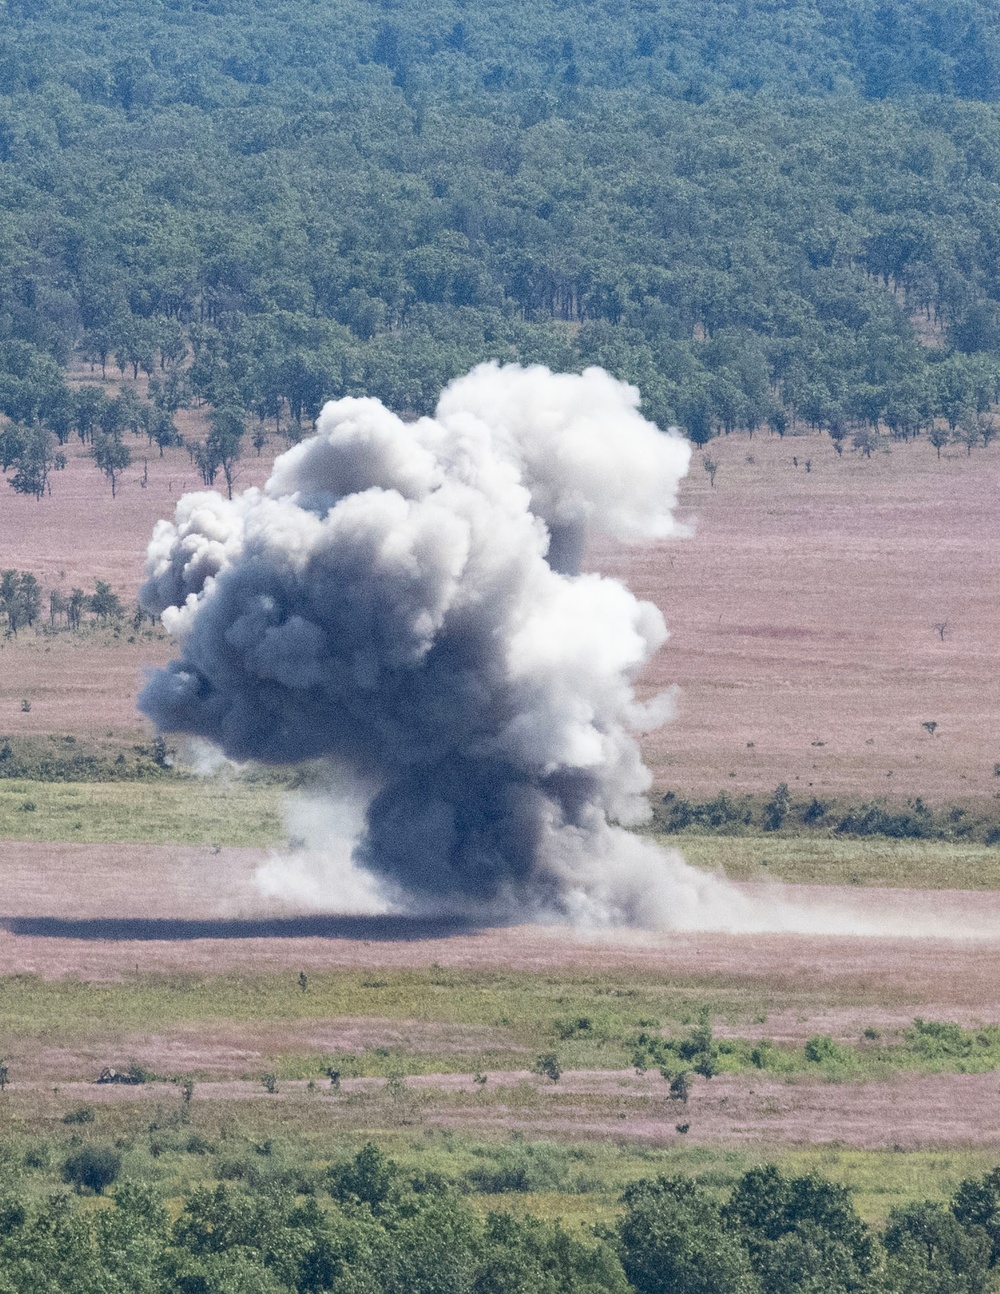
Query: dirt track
x=101 y=910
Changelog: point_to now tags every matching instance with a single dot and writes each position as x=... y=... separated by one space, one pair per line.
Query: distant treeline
x=738 y=814
x=761 y=214
x=368 y=1228
x=24 y=606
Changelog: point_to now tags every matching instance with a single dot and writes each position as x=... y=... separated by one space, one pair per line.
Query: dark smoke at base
x=405 y=602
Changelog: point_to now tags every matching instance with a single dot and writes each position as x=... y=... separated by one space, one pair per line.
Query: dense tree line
x=758 y=213
x=369 y=1229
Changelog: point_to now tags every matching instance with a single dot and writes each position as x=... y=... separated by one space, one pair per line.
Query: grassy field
x=817 y=860
x=190 y=811
x=230 y=811
x=454 y=1022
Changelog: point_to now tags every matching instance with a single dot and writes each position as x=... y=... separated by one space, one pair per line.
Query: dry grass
x=802 y=616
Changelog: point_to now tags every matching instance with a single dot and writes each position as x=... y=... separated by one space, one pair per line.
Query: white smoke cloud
x=406 y=601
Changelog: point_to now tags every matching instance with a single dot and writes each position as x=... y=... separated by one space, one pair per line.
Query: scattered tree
x=93 y=1168
x=112 y=457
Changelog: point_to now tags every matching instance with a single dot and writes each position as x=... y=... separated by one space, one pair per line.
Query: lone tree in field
x=105 y=604
x=111 y=456
x=931 y=726
x=939 y=437
x=30 y=451
x=866 y=440
x=711 y=467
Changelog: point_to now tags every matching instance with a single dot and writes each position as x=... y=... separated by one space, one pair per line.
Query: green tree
x=112 y=457
x=672 y=1240
x=93 y=1168
x=34 y=461
x=105 y=604
x=20 y=599
x=930 y=1250
x=801 y=1233
x=225 y=441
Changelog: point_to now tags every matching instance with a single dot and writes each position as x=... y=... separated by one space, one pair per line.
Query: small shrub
x=82 y=1114
x=270 y=1082
x=547 y=1064
x=38 y=1156
x=93 y=1168
x=821 y=1049
x=680 y=1085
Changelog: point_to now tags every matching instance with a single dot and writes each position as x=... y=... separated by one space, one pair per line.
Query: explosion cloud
x=406 y=602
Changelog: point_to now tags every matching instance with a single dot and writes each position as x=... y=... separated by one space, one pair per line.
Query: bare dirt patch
x=802 y=614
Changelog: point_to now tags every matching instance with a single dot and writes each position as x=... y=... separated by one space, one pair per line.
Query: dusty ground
x=802 y=612
x=99 y=911
x=104 y=913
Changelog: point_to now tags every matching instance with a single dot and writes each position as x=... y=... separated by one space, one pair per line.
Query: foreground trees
x=369 y=1227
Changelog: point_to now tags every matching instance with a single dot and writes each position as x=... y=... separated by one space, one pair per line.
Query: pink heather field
x=822 y=611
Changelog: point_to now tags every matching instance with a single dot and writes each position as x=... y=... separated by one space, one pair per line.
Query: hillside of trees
x=762 y=214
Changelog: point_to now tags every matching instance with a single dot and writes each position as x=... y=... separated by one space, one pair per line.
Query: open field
x=192 y=811
x=802 y=614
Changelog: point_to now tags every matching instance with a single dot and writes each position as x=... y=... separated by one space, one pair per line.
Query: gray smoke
x=406 y=602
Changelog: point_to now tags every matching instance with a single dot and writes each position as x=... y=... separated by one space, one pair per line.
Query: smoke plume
x=406 y=602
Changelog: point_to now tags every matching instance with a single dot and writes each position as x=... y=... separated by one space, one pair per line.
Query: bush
x=82 y=1114
x=93 y=1168
x=547 y=1064
x=518 y=1168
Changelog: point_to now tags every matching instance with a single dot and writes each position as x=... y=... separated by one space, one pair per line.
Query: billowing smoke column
x=405 y=601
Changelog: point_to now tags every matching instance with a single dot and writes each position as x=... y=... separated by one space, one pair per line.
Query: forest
x=759 y=213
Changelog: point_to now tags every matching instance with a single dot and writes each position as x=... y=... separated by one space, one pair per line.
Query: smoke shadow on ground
x=168 y=929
